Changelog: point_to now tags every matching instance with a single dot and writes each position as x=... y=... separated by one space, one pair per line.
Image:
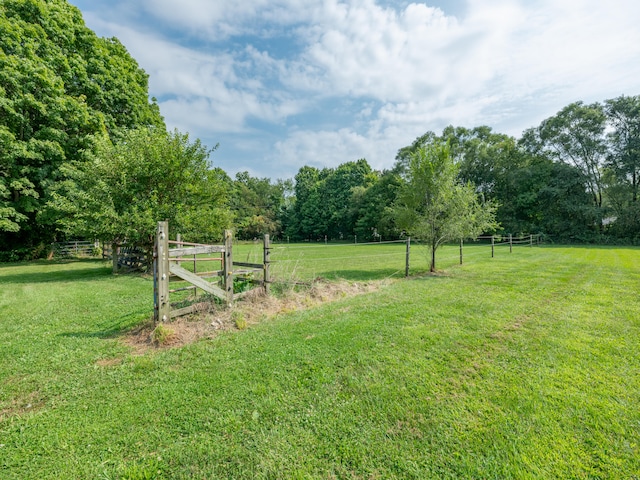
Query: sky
x=279 y=84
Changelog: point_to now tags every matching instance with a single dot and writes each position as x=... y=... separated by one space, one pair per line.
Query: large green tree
x=259 y=205
x=307 y=218
x=623 y=115
x=372 y=204
x=623 y=162
x=434 y=206
x=337 y=192
x=59 y=85
x=124 y=188
x=576 y=136
x=533 y=192
x=326 y=201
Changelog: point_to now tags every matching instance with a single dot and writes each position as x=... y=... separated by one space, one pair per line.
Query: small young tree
x=434 y=206
x=123 y=189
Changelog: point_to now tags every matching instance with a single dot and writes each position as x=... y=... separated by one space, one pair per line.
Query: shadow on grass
x=95 y=269
x=114 y=327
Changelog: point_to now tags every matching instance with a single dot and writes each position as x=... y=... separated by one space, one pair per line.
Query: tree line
x=574 y=178
x=85 y=153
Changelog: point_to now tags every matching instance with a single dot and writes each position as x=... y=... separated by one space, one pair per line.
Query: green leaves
x=576 y=136
x=434 y=206
x=128 y=186
x=327 y=200
x=59 y=85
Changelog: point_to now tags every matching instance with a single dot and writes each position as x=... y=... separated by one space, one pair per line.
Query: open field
x=362 y=261
x=521 y=366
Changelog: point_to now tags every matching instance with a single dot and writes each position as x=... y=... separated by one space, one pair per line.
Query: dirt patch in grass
x=109 y=362
x=506 y=331
x=250 y=310
x=22 y=405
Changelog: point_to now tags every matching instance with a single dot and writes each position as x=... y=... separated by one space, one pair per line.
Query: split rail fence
x=169 y=255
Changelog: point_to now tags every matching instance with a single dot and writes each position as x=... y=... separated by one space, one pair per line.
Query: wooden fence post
x=530 y=240
x=161 y=302
x=267 y=264
x=406 y=266
x=461 y=244
x=228 y=266
x=510 y=243
x=493 y=243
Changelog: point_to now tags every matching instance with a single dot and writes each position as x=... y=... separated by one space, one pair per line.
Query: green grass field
x=526 y=365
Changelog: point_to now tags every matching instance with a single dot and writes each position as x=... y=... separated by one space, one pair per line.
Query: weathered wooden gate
x=167 y=265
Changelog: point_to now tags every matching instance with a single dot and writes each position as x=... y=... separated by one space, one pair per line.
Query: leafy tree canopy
x=434 y=206
x=325 y=202
x=122 y=189
x=575 y=136
x=59 y=85
x=259 y=205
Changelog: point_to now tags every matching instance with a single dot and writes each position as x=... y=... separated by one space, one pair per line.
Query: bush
x=24 y=254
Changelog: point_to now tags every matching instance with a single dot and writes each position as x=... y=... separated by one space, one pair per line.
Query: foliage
x=372 y=207
x=622 y=178
x=162 y=334
x=325 y=200
x=124 y=188
x=337 y=194
x=258 y=205
x=576 y=136
x=547 y=197
x=239 y=320
x=59 y=84
x=307 y=219
x=534 y=193
x=434 y=206
x=563 y=178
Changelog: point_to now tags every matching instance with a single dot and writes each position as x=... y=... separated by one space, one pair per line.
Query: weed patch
x=212 y=318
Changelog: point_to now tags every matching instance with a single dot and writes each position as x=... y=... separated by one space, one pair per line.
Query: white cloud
x=327 y=149
x=505 y=63
x=363 y=49
x=386 y=130
x=200 y=90
x=499 y=47
x=220 y=19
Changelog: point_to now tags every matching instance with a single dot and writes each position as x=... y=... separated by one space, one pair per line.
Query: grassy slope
x=524 y=366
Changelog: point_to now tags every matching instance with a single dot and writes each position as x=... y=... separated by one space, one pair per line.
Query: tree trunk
x=433 y=258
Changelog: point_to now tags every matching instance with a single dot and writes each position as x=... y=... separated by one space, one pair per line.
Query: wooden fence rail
x=167 y=266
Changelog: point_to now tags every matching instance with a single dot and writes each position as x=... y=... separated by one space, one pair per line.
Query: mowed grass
x=526 y=365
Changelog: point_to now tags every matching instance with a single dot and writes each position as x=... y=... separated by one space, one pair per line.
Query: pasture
x=525 y=365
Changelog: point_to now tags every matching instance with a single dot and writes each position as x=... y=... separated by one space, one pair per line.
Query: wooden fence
x=74 y=249
x=169 y=255
x=127 y=258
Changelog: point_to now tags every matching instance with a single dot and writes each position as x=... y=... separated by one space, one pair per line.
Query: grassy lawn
x=526 y=365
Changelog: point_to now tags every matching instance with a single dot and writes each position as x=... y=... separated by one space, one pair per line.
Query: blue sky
x=284 y=83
